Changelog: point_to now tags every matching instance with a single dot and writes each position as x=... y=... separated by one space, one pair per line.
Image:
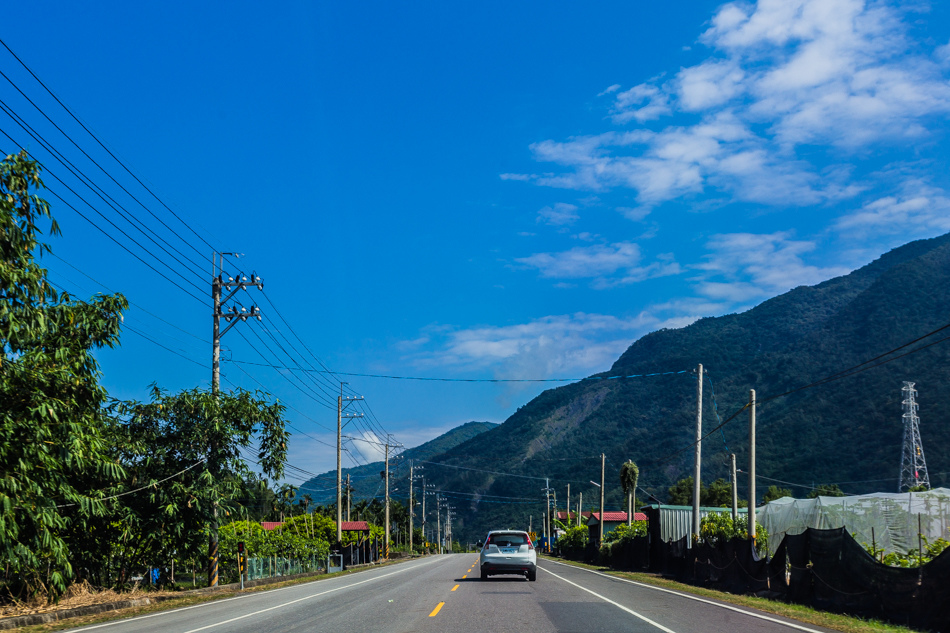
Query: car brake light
x=530 y=545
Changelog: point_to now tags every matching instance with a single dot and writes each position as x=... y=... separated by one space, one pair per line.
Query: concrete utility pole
x=425 y=493
x=735 y=491
x=547 y=512
x=699 y=450
x=340 y=414
x=387 y=497
x=752 y=465
x=603 y=459
x=438 y=521
x=411 y=509
x=580 y=507
x=349 y=496
x=568 y=504
x=218 y=281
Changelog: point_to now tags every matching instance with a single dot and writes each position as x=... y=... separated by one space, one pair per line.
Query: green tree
x=56 y=468
x=826 y=490
x=629 y=474
x=187 y=448
x=681 y=493
x=774 y=492
x=717 y=495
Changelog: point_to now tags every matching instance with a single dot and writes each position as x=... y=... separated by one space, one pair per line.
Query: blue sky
x=470 y=190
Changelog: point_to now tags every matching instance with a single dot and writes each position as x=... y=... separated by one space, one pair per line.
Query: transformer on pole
x=913 y=466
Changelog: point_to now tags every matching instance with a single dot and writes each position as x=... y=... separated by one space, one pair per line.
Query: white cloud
x=585 y=261
x=643 y=103
x=634 y=213
x=917 y=209
x=369 y=445
x=835 y=74
x=560 y=214
x=746 y=266
x=709 y=84
x=562 y=345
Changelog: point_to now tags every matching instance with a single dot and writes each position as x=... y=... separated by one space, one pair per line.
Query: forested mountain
x=365 y=480
x=847 y=431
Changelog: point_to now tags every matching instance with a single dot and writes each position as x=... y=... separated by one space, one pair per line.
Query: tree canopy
x=56 y=466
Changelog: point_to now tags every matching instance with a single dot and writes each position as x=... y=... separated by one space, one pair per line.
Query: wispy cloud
x=839 y=74
x=917 y=209
x=607 y=264
x=742 y=267
x=559 y=214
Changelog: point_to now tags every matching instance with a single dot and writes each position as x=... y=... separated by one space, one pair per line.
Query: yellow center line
x=435 y=611
x=465 y=576
x=469 y=571
x=455 y=587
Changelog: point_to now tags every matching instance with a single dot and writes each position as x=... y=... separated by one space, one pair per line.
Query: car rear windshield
x=507 y=540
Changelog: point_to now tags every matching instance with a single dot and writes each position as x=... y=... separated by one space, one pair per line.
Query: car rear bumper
x=508 y=567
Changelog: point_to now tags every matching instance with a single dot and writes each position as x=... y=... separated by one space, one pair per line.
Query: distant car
x=508 y=552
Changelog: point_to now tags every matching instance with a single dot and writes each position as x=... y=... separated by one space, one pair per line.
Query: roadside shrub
x=717 y=527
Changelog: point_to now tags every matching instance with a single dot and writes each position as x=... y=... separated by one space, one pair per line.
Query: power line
x=104 y=232
x=846 y=373
x=442 y=379
x=151 y=485
x=101 y=144
x=86 y=180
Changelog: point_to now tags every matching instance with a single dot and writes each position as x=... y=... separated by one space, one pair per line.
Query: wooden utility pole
x=752 y=465
x=603 y=459
x=698 y=450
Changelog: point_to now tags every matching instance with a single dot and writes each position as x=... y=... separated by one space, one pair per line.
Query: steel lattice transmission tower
x=913 y=465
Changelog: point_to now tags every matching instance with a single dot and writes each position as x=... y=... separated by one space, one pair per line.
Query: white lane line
x=616 y=604
x=241 y=597
x=696 y=598
x=287 y=604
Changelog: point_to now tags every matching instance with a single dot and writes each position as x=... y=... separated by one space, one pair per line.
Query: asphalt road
x=444 y=594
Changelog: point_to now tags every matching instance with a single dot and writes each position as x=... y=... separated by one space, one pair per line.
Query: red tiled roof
x=610 y=516
x=354 y=526
x=271 y=525
x=562 y=514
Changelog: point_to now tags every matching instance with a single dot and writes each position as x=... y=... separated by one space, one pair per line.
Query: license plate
x=509 y=550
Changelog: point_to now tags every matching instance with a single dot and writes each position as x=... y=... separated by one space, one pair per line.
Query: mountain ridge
x=845 y=431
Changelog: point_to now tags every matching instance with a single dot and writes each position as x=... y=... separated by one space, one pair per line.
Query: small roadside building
x=611 y=520
x=361 y=528
x=562 y=516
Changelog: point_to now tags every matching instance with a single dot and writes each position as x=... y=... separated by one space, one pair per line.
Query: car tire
x=533 y=575
x=484 y=575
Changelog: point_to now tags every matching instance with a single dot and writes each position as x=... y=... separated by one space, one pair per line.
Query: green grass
x=848 y=624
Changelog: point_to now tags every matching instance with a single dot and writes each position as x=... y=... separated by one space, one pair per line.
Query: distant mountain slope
x=366 y=480
x=847 y=431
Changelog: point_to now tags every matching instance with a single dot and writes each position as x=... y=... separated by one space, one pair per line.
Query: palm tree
x=629 y=474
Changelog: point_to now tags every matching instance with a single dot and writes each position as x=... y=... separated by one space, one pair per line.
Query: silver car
x=508 y=552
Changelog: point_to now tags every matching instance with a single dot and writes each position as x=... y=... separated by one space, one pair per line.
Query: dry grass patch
x=80 y=594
